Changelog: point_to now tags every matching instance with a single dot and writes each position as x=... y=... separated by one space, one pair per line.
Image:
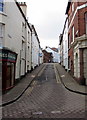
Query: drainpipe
x=20 y=66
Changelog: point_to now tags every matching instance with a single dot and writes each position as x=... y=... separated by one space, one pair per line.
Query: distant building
x=54 y=52
x=47 y=57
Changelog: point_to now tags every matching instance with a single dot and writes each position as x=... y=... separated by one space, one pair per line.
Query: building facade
x=61 y=48
x=77 y=40
x=55 y=54
x=65 y=45
x=41 y=56
x=47 y=57
x=35 y=48
x=16 y=39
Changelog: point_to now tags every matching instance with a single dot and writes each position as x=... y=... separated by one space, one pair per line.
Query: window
x=68 y=40
x=22 y=45
x=69 y=66
x=1 y=5
x=28 y=37
x=68 y=18
x=1 y=33
x=23 y=30
x=72 y=7
x=86 y=21
x=72 y=34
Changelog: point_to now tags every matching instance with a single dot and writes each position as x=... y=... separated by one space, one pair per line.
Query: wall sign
x=7 y=55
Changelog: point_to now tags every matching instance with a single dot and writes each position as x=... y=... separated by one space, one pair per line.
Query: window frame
x=1 y=5
x=85 y=22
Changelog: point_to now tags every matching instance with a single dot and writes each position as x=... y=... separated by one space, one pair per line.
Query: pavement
x=69 y=82
x=47 y=98
x=16 y=92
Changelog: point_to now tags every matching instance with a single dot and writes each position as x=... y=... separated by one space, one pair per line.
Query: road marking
x=28 y=92
x=46 y=77
x=37 y=113
x=57 y=77
x=62 y=76
x=34 y=83
x=39 y=74
x=33 y=76
x=55 y=112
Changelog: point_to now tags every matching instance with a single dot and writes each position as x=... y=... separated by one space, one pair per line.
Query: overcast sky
x=48 y=17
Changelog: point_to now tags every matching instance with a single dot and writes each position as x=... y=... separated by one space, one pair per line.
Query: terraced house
x=15 y=42
x=77 y=40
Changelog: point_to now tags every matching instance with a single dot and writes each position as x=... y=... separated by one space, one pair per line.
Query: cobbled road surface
x=47 y=98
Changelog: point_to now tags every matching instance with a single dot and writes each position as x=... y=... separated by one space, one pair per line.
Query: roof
x=22 y=13
x=32 y=27
x=55 y=49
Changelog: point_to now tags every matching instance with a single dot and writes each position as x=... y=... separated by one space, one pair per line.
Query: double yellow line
x=56 y=74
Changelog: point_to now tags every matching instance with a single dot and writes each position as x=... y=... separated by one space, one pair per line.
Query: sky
x=48 y=17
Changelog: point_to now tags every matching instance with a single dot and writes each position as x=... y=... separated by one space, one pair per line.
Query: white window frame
x=86 y=22
x=73 y=36
x=72 y=6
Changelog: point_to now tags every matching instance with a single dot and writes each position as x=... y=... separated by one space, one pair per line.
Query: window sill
x=2 y=13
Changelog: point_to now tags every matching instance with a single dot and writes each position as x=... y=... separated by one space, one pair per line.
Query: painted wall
x=35 y=51
x=65 y=46
x=16 y=37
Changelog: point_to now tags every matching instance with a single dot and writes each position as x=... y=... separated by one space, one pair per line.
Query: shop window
x=0 y=70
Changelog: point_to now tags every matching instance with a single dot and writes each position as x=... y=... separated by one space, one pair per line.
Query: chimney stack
x=23 y=7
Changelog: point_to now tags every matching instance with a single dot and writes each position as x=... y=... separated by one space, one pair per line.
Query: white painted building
x=56 y=57
x=65 y=45
x=41 y=56
x=35 y=48
x=15 y=41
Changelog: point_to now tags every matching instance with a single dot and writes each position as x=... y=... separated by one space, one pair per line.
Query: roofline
x=35 y=33
x=68 y=6
x=23 y=14
x=61 y=35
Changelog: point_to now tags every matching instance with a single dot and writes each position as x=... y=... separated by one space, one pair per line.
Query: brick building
x=47 y=57
x=77 y=40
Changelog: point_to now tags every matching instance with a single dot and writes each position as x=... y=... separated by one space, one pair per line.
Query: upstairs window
x=68 y=41
x=72 y=7
x=86 y=22
x=1 y=5
x=1 y=33
x=72 y=34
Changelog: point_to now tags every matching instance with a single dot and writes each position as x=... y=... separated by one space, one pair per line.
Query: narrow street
x=47 y=98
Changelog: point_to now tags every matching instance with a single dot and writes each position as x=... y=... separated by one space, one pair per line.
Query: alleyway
x=47 y=98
